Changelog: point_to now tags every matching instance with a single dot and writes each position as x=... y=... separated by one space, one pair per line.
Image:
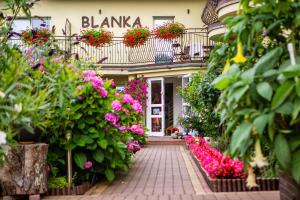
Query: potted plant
x=136 y=36
x=36 y=36
x=169 y=31
x=260 y=97
x=96 y=38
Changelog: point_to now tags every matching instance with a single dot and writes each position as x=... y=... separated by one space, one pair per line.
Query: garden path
x=163 y=172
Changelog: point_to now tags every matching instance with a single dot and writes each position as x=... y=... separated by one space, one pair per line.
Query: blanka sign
x=121 y=22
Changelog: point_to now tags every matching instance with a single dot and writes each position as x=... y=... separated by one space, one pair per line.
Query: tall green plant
x=260 y=85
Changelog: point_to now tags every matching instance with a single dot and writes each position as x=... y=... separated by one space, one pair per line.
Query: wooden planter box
x=235 y=185
x=289 y=189
x=75 y=190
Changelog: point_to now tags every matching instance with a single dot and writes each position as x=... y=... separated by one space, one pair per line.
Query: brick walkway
x=163 y=172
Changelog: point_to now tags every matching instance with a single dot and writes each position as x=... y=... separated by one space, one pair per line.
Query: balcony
x=227 y=8
x=216 y=30
x=192 y=48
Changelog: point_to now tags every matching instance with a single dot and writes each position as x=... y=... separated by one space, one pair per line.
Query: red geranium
x=215 y=163
x=170 y=30
x=136 y=36
x=36 y=36
x=96 y=38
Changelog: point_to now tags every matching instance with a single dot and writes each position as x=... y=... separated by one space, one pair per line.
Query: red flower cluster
x=36 y=36
x=96 y=38
x=215 y=163
x=136 y=36
x=170 y=30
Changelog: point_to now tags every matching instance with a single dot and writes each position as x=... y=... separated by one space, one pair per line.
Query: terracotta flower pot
x=289 y=189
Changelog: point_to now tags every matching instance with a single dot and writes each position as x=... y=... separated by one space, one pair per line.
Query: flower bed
x=96 y=38
x=74 y=190
x=169 y=31
x=136 y=36
x=222 y=173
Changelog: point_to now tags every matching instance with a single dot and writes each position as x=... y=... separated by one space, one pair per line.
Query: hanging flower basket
x=136 y=36
x=169 y=31
x=36 y=36
x=96 y=38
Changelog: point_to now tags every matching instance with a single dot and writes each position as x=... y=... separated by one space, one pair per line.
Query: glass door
x=155 y=107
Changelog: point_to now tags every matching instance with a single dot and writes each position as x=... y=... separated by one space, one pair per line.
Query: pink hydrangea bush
x=215 y=163
x=106 y=127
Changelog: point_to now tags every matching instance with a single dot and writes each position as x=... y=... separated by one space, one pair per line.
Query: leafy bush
x=260 y=88
x=202 y=97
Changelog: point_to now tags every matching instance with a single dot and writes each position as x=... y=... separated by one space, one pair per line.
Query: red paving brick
x=160 y=172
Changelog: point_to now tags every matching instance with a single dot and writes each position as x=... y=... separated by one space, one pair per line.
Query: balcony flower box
x=36 y=36
x=96 y=38
x=220 y=179
x=136 y=36
x=169 y=31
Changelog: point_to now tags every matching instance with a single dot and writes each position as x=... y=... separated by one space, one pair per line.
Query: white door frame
x=185 y=104
x=160 y=114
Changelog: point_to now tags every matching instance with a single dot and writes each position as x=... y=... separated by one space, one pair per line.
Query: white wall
x=60 y=10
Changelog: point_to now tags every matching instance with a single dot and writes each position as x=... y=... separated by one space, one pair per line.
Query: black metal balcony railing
x=193 y=46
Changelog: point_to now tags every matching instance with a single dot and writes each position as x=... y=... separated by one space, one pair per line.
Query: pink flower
x=87 y=165
x=97 y=83
x=138 y=129
x=103 y=92
x=122 y=128
x=116 y=105
x=136 y=106
x=89 y=76
x=79 y=87
x=133 y=146
x=58 y=59
x=127 y=98
x=112 y=83
x=117 y=94
x=112 y=118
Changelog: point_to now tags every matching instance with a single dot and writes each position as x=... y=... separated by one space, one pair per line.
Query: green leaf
x=92 y=146
x=291 y=71
x=81 y=125
x=240 y=136
x=298 y=87
x=282 y=93
x=238 y=93
x=296 y=166
x=110 y=175
x=221 y=82
x=82 y=140
x=77 y=116
x=260 y=123
x=269 y=60
x=80 y=159
x=265 y=90
x=286 y=108
x=282 y=151
x=103 y=143
x=98 y=156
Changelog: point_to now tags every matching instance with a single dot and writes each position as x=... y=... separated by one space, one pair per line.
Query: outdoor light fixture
x=188 y=11
x=100 y=11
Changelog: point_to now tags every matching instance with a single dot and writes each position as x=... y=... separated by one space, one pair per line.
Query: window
x=21 y=24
